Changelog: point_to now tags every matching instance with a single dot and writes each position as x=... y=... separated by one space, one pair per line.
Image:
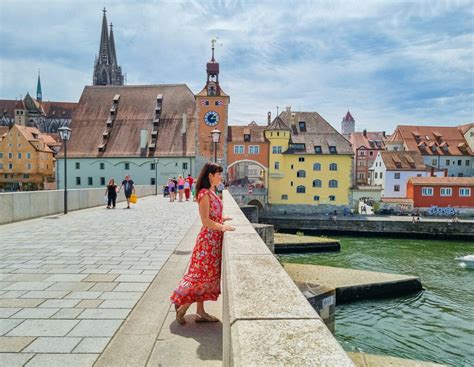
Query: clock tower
x=212 y=113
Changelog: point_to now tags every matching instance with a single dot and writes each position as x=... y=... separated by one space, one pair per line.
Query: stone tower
x=106 y=68
x=347 y=125
x=212 y=106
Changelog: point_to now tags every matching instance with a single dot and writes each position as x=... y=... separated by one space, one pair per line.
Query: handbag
x=133 y=199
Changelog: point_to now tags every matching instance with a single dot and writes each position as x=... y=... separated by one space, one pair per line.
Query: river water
x=434 y=325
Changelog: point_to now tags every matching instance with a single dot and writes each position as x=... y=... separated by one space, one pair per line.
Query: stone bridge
x=91 y=288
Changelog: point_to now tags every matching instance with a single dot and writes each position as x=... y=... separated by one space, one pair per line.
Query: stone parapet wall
x=17 y=206
x=267 y=320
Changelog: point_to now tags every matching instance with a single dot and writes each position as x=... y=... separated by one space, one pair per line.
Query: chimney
x=445 y=172
x=365 y=133
x=432 y=172
x=269 y=118
x=383 y=133
x=288 y=108
x=183 y=124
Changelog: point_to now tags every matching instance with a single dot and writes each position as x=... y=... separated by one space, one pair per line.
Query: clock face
x=211 y=118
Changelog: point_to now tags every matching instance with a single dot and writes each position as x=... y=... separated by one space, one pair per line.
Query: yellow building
x=310 y=163
x=26 y=159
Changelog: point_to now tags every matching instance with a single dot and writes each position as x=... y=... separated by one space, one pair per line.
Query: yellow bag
x=133 y=199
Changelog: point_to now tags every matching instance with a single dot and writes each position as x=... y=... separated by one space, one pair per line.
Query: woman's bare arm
x=204 y=205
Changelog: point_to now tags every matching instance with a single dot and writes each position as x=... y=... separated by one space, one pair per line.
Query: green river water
x=435 y=325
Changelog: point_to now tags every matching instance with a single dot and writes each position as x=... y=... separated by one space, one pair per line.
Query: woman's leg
x=114 y=200
x=109 y=200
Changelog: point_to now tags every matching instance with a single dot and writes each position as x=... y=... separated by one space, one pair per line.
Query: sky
x=388 y=62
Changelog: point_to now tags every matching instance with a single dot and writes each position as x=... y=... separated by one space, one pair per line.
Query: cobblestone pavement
x=68 y=282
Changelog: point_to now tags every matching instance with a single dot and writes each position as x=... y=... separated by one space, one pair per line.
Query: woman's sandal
x=179 y=315
x=206 y=318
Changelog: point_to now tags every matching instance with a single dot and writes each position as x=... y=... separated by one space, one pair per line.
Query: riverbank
x=285 y=243
x=374 y=226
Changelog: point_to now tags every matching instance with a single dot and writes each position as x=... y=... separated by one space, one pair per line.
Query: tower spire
x=113 y=55
x=104 y=51
x=39 y=94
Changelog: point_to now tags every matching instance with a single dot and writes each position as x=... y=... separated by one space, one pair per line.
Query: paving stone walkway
x=67 y=283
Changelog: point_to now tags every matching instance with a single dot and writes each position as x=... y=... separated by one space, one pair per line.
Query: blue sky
x=389 y=62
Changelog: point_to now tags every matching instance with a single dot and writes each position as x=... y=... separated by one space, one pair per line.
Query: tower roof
x=278 y=124
x=104 y=51
x=348 y=117
x=113 y=55
x=39 y=94
x=212 y=66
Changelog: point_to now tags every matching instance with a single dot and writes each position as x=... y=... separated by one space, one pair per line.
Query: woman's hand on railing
x=226 y=218
x=226 y=228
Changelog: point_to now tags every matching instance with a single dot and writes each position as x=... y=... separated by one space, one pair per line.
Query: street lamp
x=216 y=135
x=156 y=176
x=65 y=135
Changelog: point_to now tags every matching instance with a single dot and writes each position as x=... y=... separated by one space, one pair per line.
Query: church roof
x=7 y=108
x=135 y=112
x=348 y=117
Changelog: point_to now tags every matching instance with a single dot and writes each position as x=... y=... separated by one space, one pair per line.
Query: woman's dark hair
x=203 y=179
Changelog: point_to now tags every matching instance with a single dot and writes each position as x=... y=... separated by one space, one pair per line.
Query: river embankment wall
x=428 y=229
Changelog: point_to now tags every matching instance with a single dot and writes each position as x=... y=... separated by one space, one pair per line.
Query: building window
x=78 y=165
x=381 y=175
x=1 y=155
x=10 y=165
x=26 y=176
x=127 y=166
x=460 y=174
x=464 y=191
x=447 y=162
x=332 y=183
x=277 y=165
x=371 y=153
x=317 y=149
x=434 y=162
x=332 y=198
x=102 y=165
x=291 y=166
x=185 y=165
x=316 y=167
x=276 y=150
x=361 y=164
x=396 y=188
x=300 y=189
x=239 y=149
x=427 y=191
x=28 y=166
x=284 y=197
x=1 y=165
x=459 y=162
x=102 y=181
x=10 y=155
x=152 y=166
x=254 y=149
x=418 y=175
x=89 y=181
x=291 y=183
x=361 y=153
x=302 y=125
x=332 y=149
x=78 y=181
x=152 y=181
x=376 y=175
x=333 y=167
x=301 y=159
x=397 y=175
x=317 y=183
x=316 y=198
x=467 y=162
x=361 y=175
x=246 y=137
x=301 y=173
x=19 y=155
x=446 y=191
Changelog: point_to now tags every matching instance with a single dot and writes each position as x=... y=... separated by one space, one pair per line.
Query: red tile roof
x=235 y=134
x=417 y=137
x=403 y=161
x=436 y=181
x=371 y=140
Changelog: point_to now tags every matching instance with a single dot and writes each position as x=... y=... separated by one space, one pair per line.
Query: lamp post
x=65 y=135
x=156 y=176
x=216 y=135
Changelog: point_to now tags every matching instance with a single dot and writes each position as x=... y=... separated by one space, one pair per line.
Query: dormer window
x=302 y=126
x=317 y=149
x=246 y=137
x=332 y=149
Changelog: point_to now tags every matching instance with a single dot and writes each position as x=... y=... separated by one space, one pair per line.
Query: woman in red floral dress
x=202 y=280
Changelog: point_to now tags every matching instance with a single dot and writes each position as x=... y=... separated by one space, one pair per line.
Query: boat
x=467 y=260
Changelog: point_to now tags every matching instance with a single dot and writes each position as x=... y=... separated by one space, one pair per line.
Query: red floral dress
x=202 y=281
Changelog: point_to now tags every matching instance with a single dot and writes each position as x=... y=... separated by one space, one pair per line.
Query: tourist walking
x=129 y=189
x=171 y=189
x=193 y=190
x=111 y=193
x=181 y=188
x=187 y=189
x=203 y=277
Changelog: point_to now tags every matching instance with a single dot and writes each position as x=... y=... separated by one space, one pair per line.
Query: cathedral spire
x=104 y=51
x=39 y=94
x=113 y=56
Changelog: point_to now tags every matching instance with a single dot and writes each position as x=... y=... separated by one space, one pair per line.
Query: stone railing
x=267 y=320
x=17 y=206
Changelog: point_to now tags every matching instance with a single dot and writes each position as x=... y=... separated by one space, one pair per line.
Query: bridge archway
x=245 y=172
